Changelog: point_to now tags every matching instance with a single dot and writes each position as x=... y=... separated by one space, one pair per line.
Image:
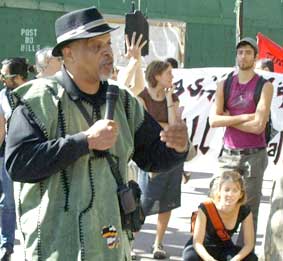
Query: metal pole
x=139 y=5
x=239 y=19
x=133 y=6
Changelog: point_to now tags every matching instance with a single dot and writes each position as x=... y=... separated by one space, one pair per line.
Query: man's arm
x=257 y=124
x=2 y=128
x=172 y=106
x=248 y=237
x=152 y=154
x=30 y=157
x=218 y=117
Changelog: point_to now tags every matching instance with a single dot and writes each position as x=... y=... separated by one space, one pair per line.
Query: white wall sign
x=29 y=37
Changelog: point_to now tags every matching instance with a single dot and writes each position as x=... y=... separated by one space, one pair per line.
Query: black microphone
x=112 y=94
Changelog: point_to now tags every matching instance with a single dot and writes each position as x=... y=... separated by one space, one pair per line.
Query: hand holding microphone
x=102 y=135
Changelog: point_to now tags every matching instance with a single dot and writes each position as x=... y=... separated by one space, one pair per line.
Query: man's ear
x=67 y=53
x=19 y=80
x=255 y=61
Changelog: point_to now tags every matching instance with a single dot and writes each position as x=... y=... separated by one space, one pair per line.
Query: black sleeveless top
x=211 y=238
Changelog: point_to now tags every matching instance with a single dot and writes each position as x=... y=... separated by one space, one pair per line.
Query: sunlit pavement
x=178 y=231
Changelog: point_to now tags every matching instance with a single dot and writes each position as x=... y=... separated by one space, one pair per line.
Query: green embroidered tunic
x=74 y=214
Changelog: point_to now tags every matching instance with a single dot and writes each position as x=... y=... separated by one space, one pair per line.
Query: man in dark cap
x=66 y=157
x=245 y=120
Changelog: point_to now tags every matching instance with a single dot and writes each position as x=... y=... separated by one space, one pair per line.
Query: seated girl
x=228 y=195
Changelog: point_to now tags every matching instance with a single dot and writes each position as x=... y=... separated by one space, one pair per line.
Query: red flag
x=269 y=49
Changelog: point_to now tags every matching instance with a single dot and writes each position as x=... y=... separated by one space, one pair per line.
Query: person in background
x=265 y=64
x=244 y=147
x=229 y=197
x=273 y=239
x=161 y=190
x=173 y=62
x=45 y=63
x=14 y=72
x=65 y=155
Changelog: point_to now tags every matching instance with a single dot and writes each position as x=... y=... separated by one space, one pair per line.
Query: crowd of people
x=68 y=159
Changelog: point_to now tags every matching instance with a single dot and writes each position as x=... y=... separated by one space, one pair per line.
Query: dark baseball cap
x=250 y=41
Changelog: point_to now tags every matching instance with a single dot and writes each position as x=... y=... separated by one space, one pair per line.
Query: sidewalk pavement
x=193 y=193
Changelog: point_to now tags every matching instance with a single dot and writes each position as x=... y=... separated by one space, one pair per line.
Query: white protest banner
x=196 y=91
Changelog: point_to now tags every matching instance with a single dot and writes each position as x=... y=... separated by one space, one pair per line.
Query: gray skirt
x=160 y=192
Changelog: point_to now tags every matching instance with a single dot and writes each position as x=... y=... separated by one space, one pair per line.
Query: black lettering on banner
x=194 y=127
x=271 y=149
x=280 y=93
x=279 y=148
x=271 y=79
x=211 y=94
x=202 y=148
x=214 y=78
x=199 y=86
x=179 y=87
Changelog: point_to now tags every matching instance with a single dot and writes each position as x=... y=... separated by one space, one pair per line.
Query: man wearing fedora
x=67 y=195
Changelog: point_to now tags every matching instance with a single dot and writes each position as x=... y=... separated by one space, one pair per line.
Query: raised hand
x=134 y=48
x=169 y=91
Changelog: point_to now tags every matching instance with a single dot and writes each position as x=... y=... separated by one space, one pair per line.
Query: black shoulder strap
x=227 y=87
x=114 y=166
x=259 y=85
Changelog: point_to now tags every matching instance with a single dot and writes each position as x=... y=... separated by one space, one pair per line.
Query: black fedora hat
x=79 y=24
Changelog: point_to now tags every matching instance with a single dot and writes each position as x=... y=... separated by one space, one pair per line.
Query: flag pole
x=239 y=19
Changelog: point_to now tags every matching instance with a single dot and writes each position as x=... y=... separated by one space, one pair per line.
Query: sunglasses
x=7 y=76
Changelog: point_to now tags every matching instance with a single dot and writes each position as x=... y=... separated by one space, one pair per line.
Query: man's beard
x=246 y=67
x=105 y=77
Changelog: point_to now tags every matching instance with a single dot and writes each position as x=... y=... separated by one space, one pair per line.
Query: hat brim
x=104 y=29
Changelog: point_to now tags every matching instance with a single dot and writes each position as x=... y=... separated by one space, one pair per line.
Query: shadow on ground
x=173 y=243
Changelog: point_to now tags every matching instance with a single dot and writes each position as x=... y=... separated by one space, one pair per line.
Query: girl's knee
x=189 y=254
x=251 y=257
